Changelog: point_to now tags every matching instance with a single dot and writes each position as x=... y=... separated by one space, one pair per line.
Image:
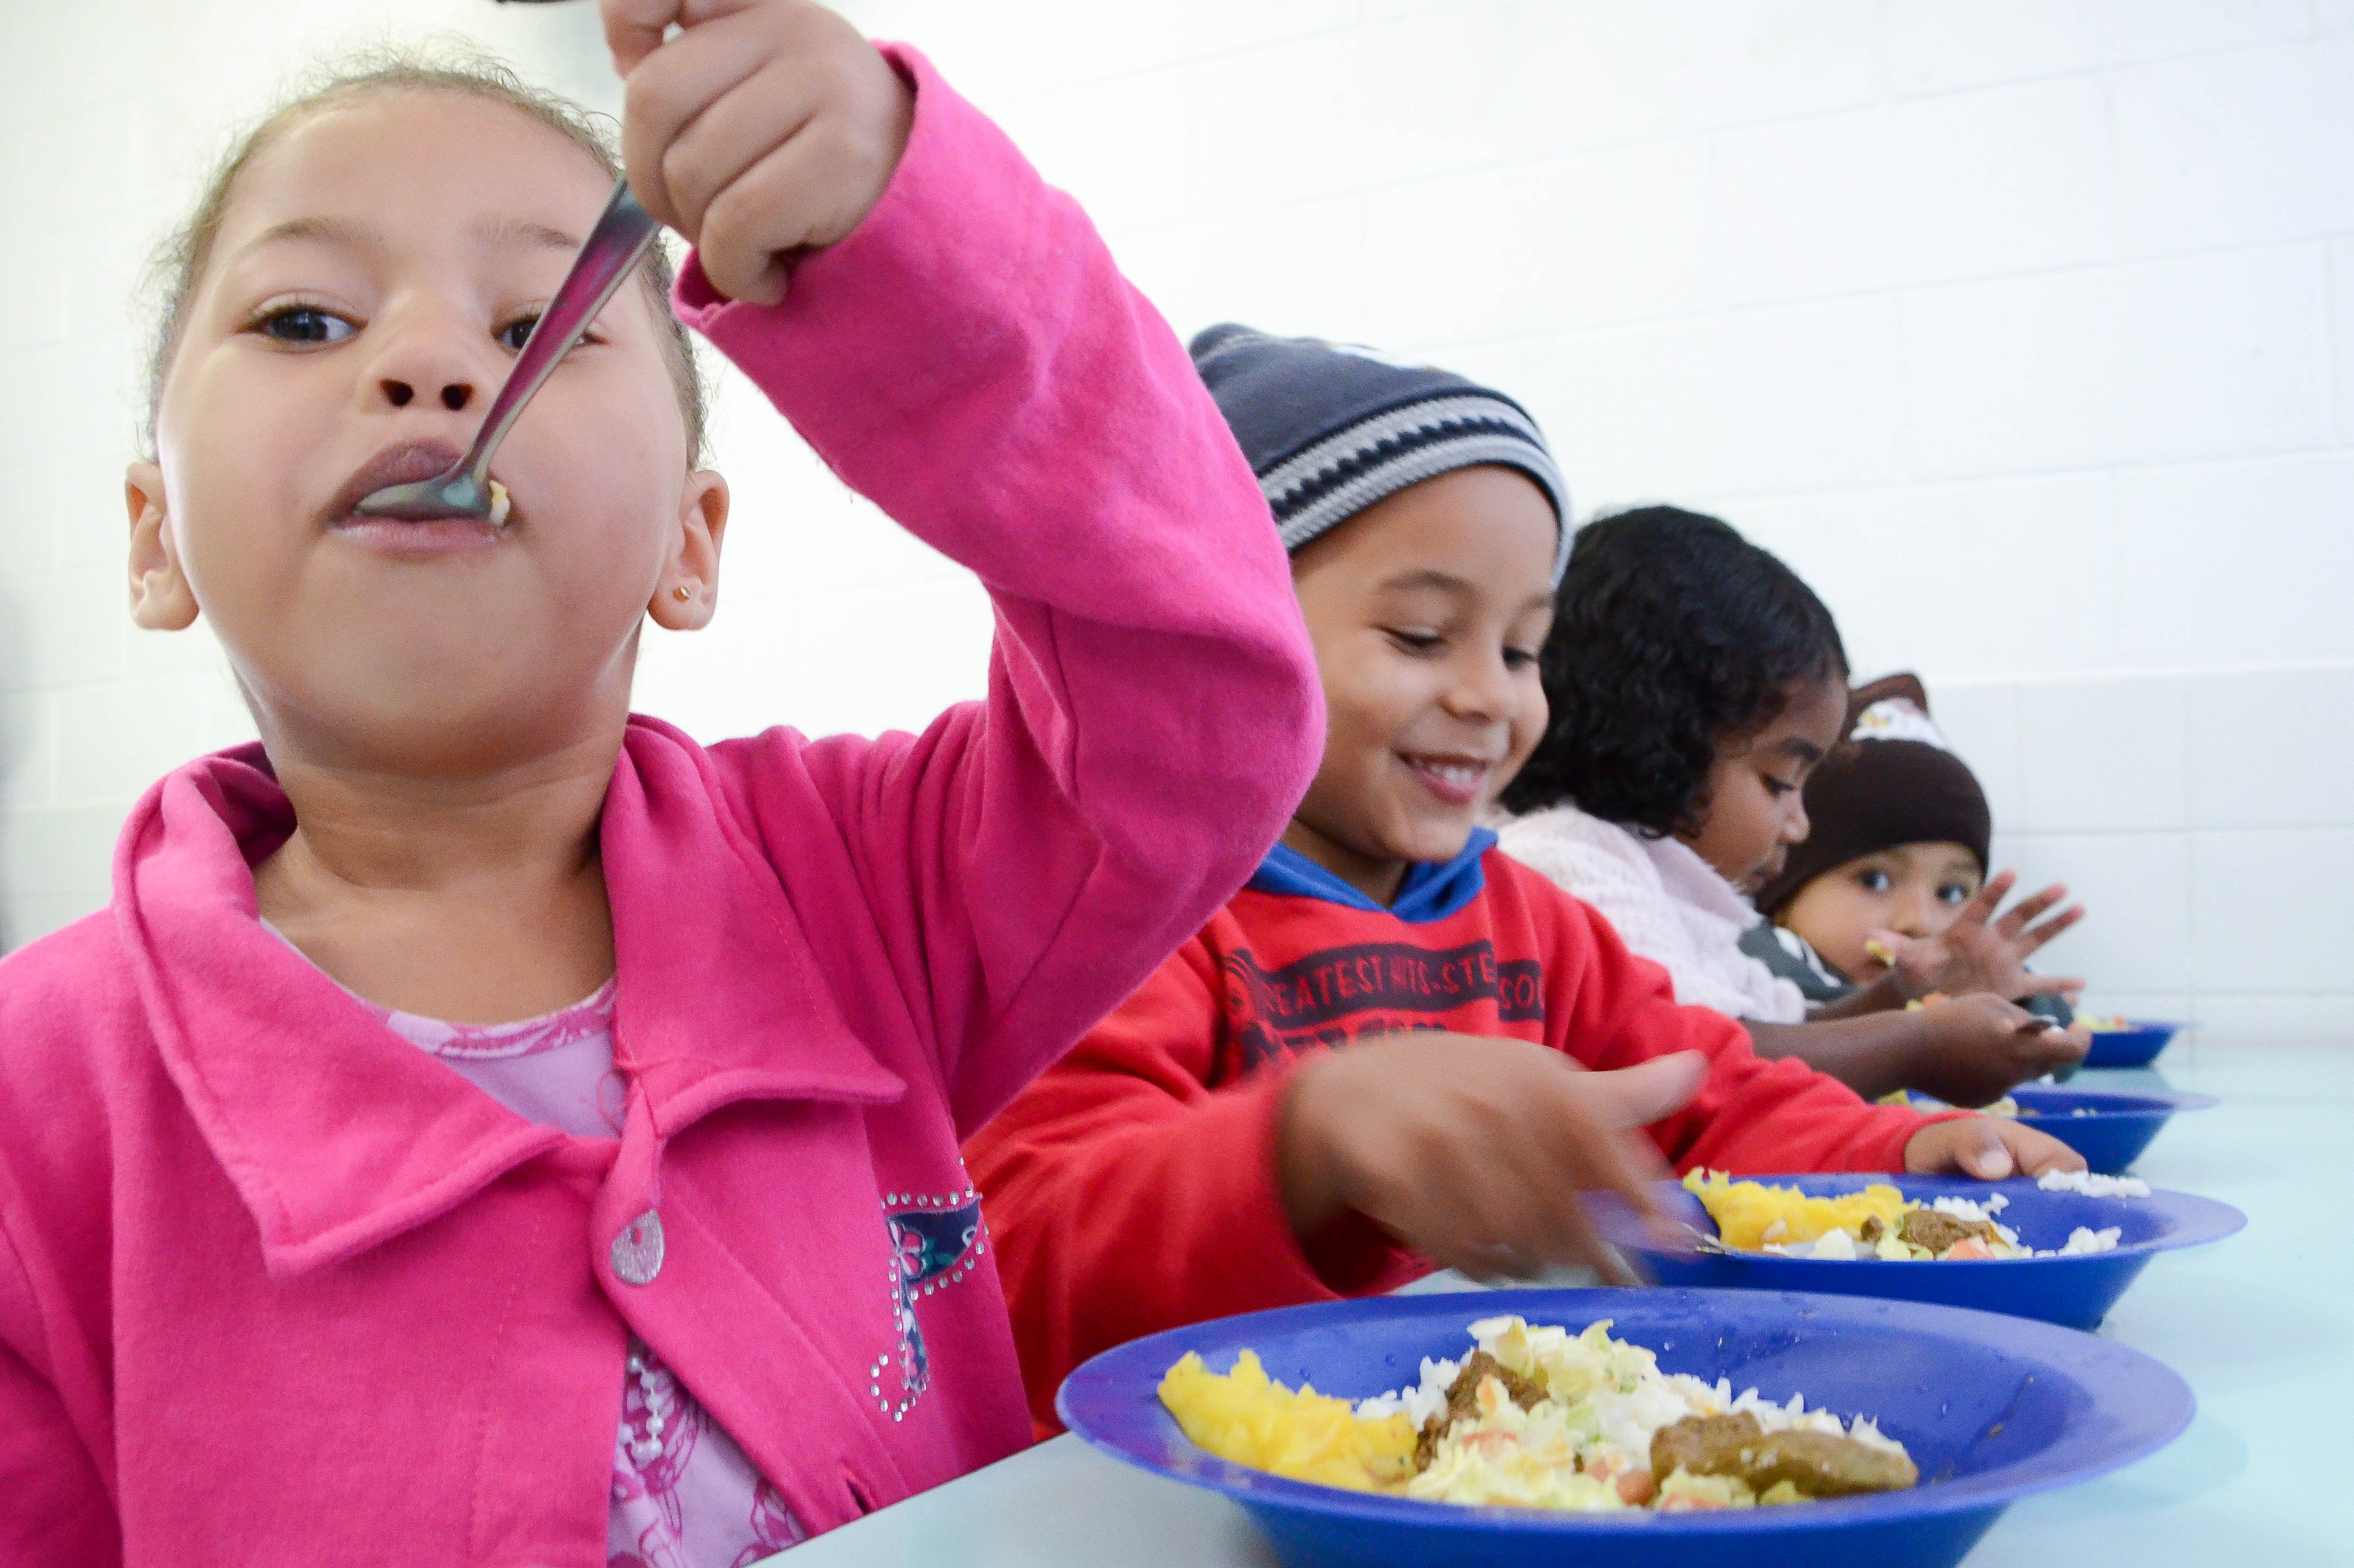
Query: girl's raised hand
x=764 y=128
x=1980 y=953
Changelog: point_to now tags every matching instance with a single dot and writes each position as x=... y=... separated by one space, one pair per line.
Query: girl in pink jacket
x=335 y=1226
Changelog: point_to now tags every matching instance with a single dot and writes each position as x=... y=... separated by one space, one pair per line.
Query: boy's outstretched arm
x=969 y=356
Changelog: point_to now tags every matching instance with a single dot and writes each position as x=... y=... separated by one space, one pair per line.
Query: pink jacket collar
x=338 y=1134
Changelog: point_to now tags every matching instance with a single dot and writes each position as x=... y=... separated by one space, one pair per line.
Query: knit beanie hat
x=1895 y=782
x=1330 y=428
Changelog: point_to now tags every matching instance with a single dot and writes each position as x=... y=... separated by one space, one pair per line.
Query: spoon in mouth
x=623 y=232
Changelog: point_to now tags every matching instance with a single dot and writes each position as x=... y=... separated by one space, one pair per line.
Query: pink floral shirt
x=684 y=1494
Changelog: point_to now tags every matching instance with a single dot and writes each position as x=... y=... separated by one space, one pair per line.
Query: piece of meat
x=1928 y=1227
x=1818 y=1464
x=1463 y=1399
x=1871 y=1231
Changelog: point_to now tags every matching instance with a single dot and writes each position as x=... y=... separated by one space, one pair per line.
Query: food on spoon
x=1879 y=1223
x=498 y=517
x=1539 y=1417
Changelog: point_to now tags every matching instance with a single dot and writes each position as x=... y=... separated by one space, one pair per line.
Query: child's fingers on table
x=2037 y=1153
x=1980 y=1149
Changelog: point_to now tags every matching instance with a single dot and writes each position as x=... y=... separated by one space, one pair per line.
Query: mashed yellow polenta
x=1748 y=1215
x=1246 y=1416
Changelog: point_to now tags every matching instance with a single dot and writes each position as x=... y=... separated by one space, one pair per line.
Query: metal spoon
x=621 y=236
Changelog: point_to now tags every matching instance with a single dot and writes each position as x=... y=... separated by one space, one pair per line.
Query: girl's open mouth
x=403 y=465
x=1457 y=781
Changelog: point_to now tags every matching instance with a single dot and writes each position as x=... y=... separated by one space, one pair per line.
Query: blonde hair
x=441 y=66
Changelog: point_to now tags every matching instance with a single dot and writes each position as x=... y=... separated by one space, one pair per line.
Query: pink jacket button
x=638 y=1250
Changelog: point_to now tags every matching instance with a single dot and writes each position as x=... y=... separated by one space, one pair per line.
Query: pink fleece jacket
x=278 y=1288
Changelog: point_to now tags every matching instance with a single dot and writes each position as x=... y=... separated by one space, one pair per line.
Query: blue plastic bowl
x=2120 y=1126
x=2135 y=1048
x=2076 y=1292
x=1992 y=1409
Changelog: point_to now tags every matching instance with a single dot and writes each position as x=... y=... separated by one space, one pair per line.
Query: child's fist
x=1990 y=1147
x=1472 y=1151
x=1973 y=1049
x=766 y=127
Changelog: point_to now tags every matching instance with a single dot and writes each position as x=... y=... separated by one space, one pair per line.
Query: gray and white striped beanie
x=1329 y=429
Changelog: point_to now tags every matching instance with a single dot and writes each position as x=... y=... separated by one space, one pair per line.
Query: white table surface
x=2262 y=1327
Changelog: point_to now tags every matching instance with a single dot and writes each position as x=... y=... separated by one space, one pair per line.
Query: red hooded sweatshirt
x=1132 y=1188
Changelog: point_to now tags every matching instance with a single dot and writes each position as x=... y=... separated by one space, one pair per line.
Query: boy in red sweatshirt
x=1208 y=1149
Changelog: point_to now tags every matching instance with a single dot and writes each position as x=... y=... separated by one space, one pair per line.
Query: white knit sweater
x=1667 y=904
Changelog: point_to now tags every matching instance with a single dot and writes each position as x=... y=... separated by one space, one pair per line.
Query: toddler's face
x=1914 y=890
x=377 y=268
x=1754 y=793
x=1428 y=609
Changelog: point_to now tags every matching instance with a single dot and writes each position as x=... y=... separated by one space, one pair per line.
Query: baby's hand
x=1990 y=1147
x=1980 y=953
x=1473 y=1150
x=766 y=127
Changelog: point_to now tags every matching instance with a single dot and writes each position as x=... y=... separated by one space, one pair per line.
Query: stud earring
x=681 y=593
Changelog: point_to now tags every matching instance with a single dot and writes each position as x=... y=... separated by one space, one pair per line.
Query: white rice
x=2084 y=1239
x=1642 y=1404
x=2093 y=1186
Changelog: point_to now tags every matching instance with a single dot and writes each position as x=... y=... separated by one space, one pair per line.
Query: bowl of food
x=1735 y=1428
x=2110 y=1128
x=2121 y=1042
x=2062 y=1250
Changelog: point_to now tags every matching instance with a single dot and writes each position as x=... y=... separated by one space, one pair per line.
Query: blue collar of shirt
x=1432 y=890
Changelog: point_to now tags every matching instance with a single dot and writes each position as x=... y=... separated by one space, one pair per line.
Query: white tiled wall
x=2200 y=814
x=2023 y=328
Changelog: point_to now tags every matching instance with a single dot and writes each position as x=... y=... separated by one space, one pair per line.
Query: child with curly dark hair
x=1693 y=683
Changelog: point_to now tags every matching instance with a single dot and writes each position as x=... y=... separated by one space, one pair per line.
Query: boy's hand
x=1472 y=1151
x=1973 y=1049
x=1979 y=953
x=1990 y=1147
x=764 y=128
